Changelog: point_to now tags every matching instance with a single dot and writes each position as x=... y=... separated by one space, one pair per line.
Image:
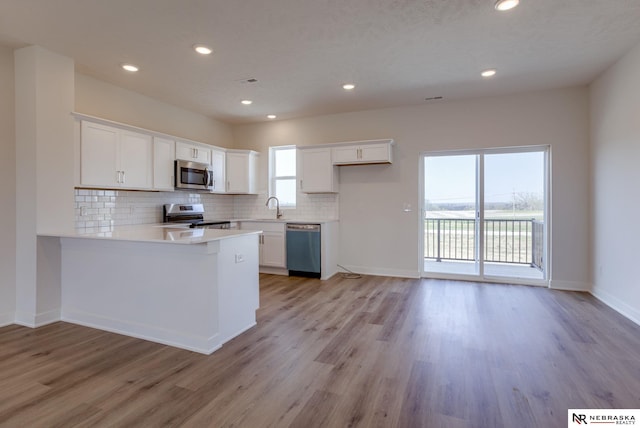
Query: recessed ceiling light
x=348 y=86
x=246 y=102
x=202 y=49
x=130 y=67
x=489 y=73
x=271 y=116
x=503 y=5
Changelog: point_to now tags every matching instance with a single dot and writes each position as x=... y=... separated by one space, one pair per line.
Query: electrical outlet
x=83 y=211
x=239 y=258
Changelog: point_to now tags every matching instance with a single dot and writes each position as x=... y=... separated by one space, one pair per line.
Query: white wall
x=615 y=154
x=7 y=189
x=44 y=176
x=377 y=236
x=101 y=99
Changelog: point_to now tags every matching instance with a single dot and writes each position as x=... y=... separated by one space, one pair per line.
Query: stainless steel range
x=192 y=214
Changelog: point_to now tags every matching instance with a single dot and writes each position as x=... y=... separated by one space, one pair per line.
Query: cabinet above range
x=193 y=152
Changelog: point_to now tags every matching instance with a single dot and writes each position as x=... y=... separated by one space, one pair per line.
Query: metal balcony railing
x=505 y=240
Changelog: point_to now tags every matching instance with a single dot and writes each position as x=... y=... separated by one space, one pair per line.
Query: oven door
x=193 y=175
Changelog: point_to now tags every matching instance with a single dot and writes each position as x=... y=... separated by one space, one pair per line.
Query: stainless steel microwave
x=193 y=175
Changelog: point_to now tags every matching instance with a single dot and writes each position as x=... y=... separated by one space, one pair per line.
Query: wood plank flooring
x=369 y=352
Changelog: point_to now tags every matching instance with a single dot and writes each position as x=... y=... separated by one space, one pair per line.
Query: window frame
x=273 y=179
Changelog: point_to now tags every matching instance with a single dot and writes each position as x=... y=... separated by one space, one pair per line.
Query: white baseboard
x=366 y=270
x=37 y=320
x=7 y=318
x=617 y=305
x=557 y=284
x=202 y=345
x=274 y=271
x=238 y=333
x=48 y=317
x=327 y=276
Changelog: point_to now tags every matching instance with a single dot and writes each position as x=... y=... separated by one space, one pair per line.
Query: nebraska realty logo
x=599 y=417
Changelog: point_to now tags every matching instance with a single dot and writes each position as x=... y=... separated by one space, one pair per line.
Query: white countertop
x=175 y=233
x=286 y=220
x=156 y=233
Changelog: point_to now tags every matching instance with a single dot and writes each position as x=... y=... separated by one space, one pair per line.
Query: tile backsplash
x=308 y=206
x=100 y=209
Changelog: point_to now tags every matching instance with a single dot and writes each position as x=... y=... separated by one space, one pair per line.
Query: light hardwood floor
x=369 y=352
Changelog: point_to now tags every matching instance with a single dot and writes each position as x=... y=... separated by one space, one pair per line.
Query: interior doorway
x=485 y=214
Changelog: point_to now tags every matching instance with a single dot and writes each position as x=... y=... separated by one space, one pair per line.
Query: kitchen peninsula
x=191 y=288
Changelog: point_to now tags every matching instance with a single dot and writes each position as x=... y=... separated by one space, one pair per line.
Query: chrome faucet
x=278 y=212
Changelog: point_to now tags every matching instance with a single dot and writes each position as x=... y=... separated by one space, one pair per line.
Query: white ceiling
x=397 y=52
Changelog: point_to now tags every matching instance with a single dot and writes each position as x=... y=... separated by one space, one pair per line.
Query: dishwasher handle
x=303 y=227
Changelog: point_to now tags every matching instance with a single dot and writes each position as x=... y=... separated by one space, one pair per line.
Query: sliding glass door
x=450 y=222
x=485 y=214
x=514 y=214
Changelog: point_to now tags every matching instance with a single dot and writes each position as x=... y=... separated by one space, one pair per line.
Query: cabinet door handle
x=124 y=177
x=196 y=153
x=117 y=176
x=301 y=187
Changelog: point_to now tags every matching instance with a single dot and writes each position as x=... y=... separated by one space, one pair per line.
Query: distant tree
x=528 y=201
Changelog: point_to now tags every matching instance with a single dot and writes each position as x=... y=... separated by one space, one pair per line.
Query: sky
x=451 y=179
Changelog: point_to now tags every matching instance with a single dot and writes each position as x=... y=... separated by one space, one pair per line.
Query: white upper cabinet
x=164 y=154
x=193 y=152
x=120 y=156
x=317 y=173
x=99 y=155
x=111 y=157
x=364 y=152
x=136 y=160
x=241 y=171
x=218 y=166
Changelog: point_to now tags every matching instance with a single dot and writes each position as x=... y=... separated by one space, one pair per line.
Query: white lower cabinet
x=272 y=242
x=273 y=250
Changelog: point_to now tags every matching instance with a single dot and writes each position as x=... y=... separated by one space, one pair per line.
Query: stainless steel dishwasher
x=303 y=249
